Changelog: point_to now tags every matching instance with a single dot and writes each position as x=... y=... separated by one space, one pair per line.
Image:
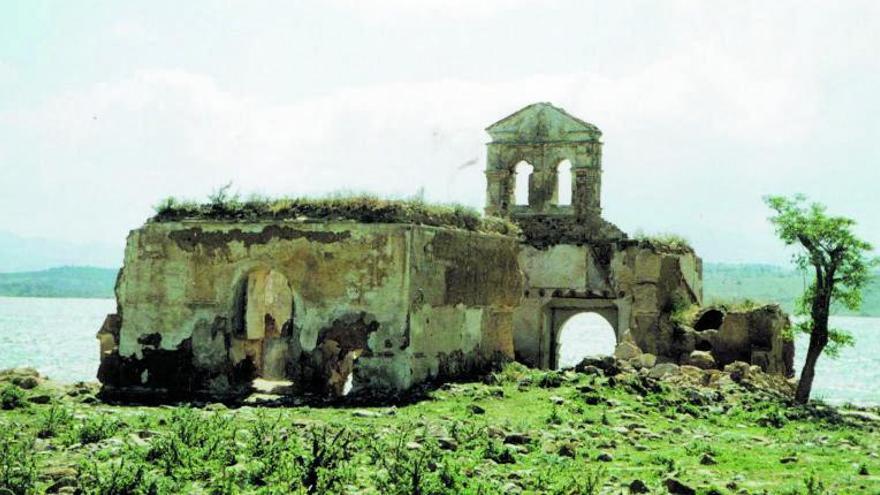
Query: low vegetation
x=664 y=241
x=223 y=205
x=516 y=431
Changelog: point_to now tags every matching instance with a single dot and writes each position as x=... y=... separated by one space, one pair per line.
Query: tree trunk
x=818 y=337
x=805 y=384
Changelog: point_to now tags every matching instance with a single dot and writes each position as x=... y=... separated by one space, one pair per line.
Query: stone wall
x=204 y=307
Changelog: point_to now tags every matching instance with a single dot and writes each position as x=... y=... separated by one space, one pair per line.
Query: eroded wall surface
x=203 y=306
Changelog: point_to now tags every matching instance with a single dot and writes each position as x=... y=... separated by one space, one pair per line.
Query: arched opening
x=262 y=322
x=564 y=182
x=584 y=334
x=712 y=319
x=523 y=173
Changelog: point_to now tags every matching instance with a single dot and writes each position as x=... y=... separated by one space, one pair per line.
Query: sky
x=705 y=106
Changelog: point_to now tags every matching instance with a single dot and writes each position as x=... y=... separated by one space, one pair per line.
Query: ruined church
x=207 y=305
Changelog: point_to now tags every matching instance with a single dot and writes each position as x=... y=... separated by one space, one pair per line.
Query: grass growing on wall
x=223 y=205
x=665 y=241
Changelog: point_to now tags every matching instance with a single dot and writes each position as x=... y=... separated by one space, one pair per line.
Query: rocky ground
x=605 y=427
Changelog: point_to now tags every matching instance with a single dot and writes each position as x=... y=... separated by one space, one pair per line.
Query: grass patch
x=223 y=205
x=12 y=397
x=538 y=432
x=663 y=241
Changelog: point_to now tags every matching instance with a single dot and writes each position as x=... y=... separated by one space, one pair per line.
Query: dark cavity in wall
x=329 y=368
x=712 y=319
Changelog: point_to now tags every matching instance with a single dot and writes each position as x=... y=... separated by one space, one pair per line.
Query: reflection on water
x=57 y=336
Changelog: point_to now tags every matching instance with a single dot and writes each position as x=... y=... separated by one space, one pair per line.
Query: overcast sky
x=107 y=107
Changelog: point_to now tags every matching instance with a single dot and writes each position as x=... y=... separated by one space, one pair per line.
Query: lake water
x=57 y=336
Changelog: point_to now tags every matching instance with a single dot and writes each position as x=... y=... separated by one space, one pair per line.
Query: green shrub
x=664 y=241
x=95 y=428
x=321 y=464
x=18 y=463
x=587 y=482
x=128 y=475
x=196 y=445
x=12 y=397
x=53 y=421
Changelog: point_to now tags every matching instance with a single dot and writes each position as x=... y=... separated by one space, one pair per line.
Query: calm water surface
x=57 y=336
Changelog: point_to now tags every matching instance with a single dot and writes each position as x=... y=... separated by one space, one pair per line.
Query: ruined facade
x=208 y=305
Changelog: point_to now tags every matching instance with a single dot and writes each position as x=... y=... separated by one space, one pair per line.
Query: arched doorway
x=263 y=322
x=523 y=173
x=582 y=333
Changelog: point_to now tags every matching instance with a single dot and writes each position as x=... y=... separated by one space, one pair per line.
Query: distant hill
x=66 y=281
x=770 y=283
x=20 y=254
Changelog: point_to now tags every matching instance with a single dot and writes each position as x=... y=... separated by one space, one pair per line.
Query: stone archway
x=560 y=312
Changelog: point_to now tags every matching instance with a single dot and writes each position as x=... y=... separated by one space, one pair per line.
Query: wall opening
x=262 y=322
x=710 y=320
x=523 y=173
x=584 y=334
x=563 y=181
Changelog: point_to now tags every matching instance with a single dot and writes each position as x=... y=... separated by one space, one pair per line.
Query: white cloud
x=400 y=10
x=163 y=132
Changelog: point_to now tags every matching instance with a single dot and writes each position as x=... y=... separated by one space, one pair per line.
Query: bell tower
x=544 y=136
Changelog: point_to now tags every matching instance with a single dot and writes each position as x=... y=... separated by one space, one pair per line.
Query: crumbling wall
x=205 y=307
x=640 y=283
x=758 y=336
x=180 y=299
x=464 y=288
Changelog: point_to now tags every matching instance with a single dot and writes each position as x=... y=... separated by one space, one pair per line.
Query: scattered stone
x=216 y=406
x=738 y=370
x=518 y=439
x=788 y=459
x=676 y=487
x=557 y=400
x=701 y=359
x=609 y=365
x=447 y=443
x=363 y=413
x=476 y=409
x=863 y=470
x=511 y=487
x=646 y=360
x=663 y=370
x=568 y=449
x=627 y=350
x=708 y=460
x=604 y=457
x=591 y=370
x=495 y=432
x=414 y=446
x=40 y=399
x=638 y=486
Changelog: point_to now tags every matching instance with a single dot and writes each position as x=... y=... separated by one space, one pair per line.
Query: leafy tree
x=842 y=265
